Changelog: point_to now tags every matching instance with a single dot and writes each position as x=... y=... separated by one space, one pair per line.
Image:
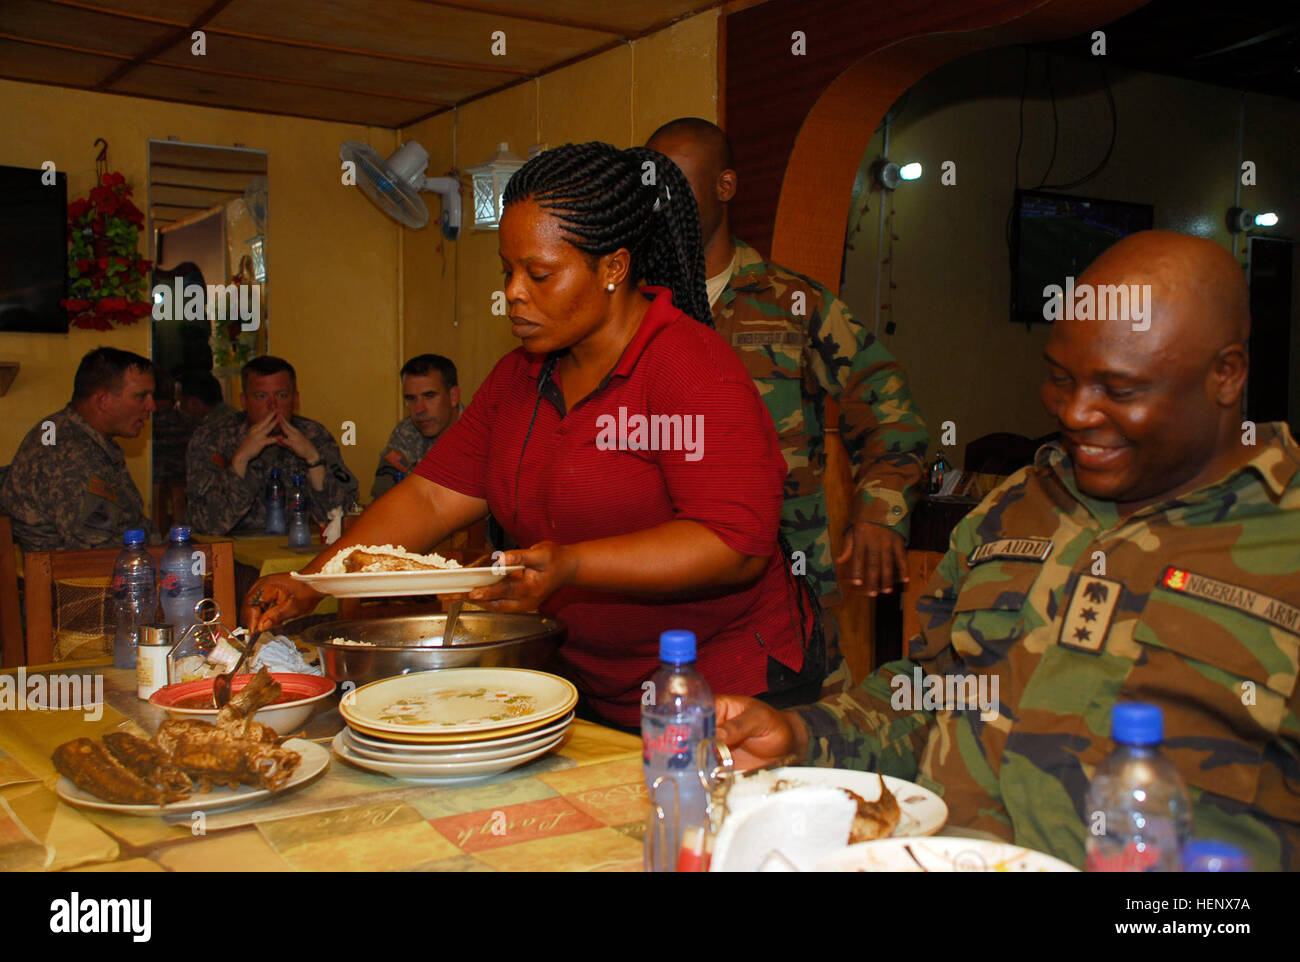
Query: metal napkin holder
x=220 y=646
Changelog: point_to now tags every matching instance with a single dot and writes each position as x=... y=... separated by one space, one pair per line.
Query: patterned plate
x=441 y=770
x=457 y=704
x=384 y=584
x=365 y=744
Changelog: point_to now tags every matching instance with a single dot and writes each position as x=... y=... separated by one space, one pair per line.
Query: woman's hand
x=275 y=599
x=548 y=568
x=757 y=733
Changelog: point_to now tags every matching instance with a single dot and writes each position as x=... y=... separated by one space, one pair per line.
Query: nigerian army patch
x=1015 y=549
x=1087 y=619
x=1273 y=610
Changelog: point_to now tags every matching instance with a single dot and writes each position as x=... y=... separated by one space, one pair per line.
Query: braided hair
x=607 y=199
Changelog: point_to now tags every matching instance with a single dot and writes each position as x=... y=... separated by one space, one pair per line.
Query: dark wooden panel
x=177 y=11
x=430 y=84
x=36 y=20
x=624 y=19
x=410 y=28
x=41 y=64
x=189 y=86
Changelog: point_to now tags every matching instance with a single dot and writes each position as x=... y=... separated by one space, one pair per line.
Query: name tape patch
x=1273 y=610
x=1087 y=620
x=1023 y=549
x=767 y=338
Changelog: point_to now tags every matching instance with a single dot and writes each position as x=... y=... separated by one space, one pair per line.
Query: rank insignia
x=102 y=489
x=218 y=459
x=1088 y=617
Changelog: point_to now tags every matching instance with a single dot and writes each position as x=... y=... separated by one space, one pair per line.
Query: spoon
x=453 y=611
x=221 y=683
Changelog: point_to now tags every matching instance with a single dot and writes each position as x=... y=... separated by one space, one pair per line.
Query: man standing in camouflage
x=230 y=458
x=432 y=399
x=1151 y=555
x=68 y=486
x=801 y=345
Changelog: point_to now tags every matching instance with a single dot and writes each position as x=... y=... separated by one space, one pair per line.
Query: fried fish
x=148 y=761
x=91 y=768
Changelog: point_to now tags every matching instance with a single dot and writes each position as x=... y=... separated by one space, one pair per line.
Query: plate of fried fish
x=190 y=765
x=381 y=571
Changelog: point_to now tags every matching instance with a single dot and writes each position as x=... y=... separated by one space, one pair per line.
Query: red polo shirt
x=676 y=432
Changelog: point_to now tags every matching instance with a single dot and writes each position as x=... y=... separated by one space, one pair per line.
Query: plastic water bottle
x=299 y=514
x=1138 y=814
x=180 y=582
x=275 y=522
x=135 y=596
x=676 y=715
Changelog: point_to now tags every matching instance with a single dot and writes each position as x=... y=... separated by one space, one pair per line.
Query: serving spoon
x=453 y=610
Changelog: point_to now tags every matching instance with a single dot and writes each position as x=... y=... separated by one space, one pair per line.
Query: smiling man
x=68 y=486
x=432 y=399
x=1151 y=556
x=230 y=458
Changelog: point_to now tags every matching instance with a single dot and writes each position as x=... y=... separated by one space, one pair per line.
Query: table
x=581 y=808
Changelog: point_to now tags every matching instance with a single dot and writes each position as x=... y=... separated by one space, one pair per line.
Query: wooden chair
x=42 y=570
x=11 y=623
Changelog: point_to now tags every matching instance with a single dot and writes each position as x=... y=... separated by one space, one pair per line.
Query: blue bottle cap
x=298 y=479
x=1137 y=723
x=275 y=473
x=133 y=536
x=1207 y=855
x=677 y=646
x=180 y=532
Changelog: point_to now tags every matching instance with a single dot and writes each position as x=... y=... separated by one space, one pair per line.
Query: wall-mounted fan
x=394 y=184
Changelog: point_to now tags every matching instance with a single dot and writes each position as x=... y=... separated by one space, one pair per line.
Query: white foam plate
x=941 y=854
x=387 y=584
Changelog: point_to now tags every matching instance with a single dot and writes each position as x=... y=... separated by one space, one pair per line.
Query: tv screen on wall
x=1055 y=236
x=33 y=251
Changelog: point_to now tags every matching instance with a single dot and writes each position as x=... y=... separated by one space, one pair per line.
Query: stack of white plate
x=456 y=723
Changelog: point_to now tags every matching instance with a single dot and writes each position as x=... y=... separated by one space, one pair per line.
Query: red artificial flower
x=139 y=308
x=83 y=266
x=106 y=305
x=78 y=207
x=75 y=304
x=101 y=263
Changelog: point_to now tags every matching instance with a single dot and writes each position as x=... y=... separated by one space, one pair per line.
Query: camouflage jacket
x=1193 y=604
x=74 y=492
x=800 y=345
x=220 y=501
x=406 y=447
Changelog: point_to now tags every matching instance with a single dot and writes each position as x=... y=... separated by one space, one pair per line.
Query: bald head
x=703 y=154
x=1153 y=408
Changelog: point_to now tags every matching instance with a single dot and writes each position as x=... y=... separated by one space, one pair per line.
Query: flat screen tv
x=33 y=251
x=1054 y=236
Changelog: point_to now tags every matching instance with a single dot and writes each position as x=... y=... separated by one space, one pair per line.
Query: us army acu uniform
x=1193 y=604
x=405 y=449
x=220 y=501
x=73 y=493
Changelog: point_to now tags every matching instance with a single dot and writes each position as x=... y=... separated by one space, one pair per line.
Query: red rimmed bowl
x=300 y=696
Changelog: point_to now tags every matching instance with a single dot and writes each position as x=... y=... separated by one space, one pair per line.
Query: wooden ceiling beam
x=168 y=41
x=387 y=95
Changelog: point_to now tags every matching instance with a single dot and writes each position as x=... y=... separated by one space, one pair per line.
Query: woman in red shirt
x=624 y=442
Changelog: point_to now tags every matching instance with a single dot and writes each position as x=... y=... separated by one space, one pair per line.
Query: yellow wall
x=332 y=259
x=620 y=97
x=1176 y=149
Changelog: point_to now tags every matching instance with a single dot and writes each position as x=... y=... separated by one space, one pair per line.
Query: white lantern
x=490 y=181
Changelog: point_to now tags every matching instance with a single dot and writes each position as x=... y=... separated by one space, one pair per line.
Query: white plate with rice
x=448 y=578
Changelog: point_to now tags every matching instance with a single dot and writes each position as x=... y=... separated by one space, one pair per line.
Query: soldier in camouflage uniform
x=432 y=397
x=802 y=345
x=68 y=486
x=1151 y=556
x=230 y=458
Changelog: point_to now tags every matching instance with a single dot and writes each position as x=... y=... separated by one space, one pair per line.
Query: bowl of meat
x=285 y=711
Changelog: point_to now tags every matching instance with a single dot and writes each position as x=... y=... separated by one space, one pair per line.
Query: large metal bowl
x=399 y=646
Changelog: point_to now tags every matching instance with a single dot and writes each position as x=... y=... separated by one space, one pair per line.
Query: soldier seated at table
x=1150 y=555
x=432 y=399
x=230 y=457
x=68 y=486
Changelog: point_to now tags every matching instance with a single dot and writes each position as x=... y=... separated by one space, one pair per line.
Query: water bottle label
x=674 y=746
x=1130 y=856
x=119 y=584
x=170 y=584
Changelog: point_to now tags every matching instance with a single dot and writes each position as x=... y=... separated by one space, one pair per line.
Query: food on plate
x=384 y=557
x=234 y=751
x=876 y=819
x=148 y=761
x=91 y=768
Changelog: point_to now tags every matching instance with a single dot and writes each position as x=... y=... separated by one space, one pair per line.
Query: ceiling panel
x=188 y=86
x=176 y=11
x=433 y=85
x=410 y=28
x=28 y=61
x=36 y=20
x=620 y=18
